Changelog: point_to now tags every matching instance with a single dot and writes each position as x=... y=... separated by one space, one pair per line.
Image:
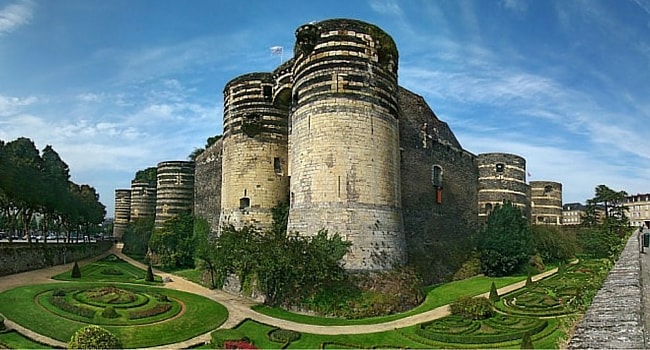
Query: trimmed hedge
x=473 y=308
x=220 y=336
x=479 y=338
x=283 y=336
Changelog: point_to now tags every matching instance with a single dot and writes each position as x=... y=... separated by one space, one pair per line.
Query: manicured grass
x=437 y=296
x=201 y=315
x=110 y=269
x=15 y=340
x=400 y=338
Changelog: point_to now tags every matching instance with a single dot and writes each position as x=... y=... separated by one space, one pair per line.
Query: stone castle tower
x=174 y=190
x=502 y=178
x=254 y=152
x=546 y=202
x=344 y=156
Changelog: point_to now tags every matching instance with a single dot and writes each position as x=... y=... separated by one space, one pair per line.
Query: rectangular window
x=277 y=165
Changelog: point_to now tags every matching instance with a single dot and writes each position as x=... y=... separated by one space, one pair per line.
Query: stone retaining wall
x=20 y=257
x=615 y=318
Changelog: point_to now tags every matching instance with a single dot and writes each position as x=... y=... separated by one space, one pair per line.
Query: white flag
x=276 y=50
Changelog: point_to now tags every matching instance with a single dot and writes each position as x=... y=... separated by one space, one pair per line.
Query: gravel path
x=239 y=308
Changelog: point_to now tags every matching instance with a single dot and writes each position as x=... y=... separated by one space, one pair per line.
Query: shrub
x=536 y=263
x=283 y=336
x=76 y=272
x=238 y=344
x=156 y=310
x=111 y=272
x=149 y=277
x=109 y=312
x=2 y=324
x=527 y=341
x=220 y=336
x=494 y=294
x=64 y=305
x=473 y=308
x=58 y=293
x=529 y=280
x=94 y=337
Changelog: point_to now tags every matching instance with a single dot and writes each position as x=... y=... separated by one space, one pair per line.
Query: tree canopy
x=505 y=242
x=32 y=182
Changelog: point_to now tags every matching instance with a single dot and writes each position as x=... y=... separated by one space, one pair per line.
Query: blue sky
x=117 y=86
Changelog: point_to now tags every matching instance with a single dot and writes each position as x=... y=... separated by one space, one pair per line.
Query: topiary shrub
x=473 y=308
x=58 y=293
x=76 y=272
x=283 y=336
x=529 y=280
x=494 y=294
x=94 y=337
x=109 y=312
x=2 y=324
x=149 y=277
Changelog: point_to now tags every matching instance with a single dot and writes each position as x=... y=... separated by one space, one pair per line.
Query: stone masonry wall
x=345 y=140
x=18 y=257
x=615 y=318
x=207 y=185
x=546 y=202
x=502 y=177
x=440 y=215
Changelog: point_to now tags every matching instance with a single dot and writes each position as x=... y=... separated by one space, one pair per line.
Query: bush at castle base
x=94 y=337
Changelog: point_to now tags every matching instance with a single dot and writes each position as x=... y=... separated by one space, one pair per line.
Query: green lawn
x=110 y=269
x=15 y=340
x=201 y=315
x=437 y=296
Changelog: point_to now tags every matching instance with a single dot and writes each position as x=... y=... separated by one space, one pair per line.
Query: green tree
x=57 y=177
x=613 y=202
x=173 y=244
x=136 y=236
x=505 y=242
x=553 y=244
x=205 y=250
x=94 y=337
x=146 y=175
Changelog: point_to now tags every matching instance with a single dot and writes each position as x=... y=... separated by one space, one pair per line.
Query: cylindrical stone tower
x=175 y=190
x=345 y=140
x=254 y=154
x=122 y=212
x=502 y=178
x=546 y=202
x=143 y=200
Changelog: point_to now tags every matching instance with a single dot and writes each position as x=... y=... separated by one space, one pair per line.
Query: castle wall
x=254 y=153
x=502 y=178
x=174 y=190
x=122 y=212
x=345 y=141
x=440 y=212
x=546 y=202
x=143 y=200
x=207 y=185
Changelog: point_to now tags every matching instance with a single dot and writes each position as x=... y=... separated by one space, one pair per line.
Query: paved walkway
x=239 y=308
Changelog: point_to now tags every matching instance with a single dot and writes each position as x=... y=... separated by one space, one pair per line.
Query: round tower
x=143 y=200
x=122 y=212
x=502 y=178
x=345 y=140
x=254 y=153
x=175 y=190
x=546 y=202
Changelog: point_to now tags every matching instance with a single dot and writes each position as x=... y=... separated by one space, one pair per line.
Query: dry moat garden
x=115 y=296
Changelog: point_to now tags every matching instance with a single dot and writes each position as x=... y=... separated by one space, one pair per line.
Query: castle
x=332 y=133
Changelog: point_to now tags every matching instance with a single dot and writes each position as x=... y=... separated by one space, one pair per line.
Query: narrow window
x=488 y=208
x=436 y=176
x=267 y=91
x=277 y=165
x=244 y=203
x=500 y=167
x=548 y=189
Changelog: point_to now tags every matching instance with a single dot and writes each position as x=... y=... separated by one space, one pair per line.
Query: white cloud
x=15 y=15
x=12 y=105
x=515 y=5
x=386 y=7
